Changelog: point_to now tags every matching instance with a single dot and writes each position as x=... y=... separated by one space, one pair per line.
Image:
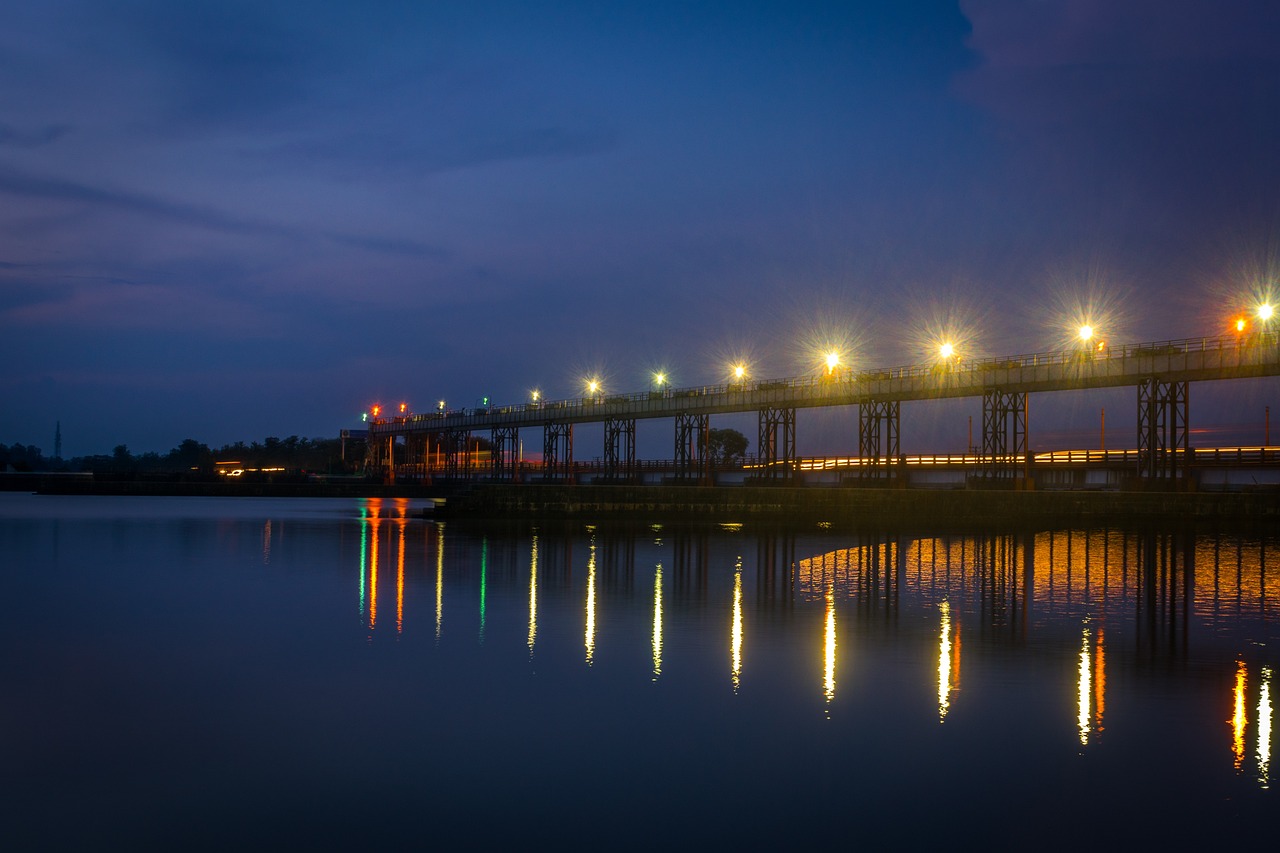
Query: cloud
x=44 y=135
x=14 y=182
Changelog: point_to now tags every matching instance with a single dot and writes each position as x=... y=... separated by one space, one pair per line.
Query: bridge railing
x=577 y=406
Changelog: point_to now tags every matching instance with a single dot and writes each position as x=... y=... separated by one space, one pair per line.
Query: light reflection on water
x=203 y=646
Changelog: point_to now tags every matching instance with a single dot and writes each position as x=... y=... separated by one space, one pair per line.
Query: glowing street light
x=440 y=405
x=377 y=410
x=403 y=407
x=659 y=379
x=833 y=361
x=946 y=350
x=1265 y=311
x=1085 y=332
x=593 y=386
x=1241 y=324
x=739 y=371
x=535 y=394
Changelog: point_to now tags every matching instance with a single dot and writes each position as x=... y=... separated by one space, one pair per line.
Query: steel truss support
x=1164 y=446
x=620 y=448
x=455 y=443
x=693 y=435
x=503 y=446
x=1004 y=433
x=557 y=451
x=777 y=444
x=879 y=431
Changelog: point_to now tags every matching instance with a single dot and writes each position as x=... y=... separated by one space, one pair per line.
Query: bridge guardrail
x=843 y=377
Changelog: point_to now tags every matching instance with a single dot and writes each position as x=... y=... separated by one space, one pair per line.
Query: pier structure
x=438 y=443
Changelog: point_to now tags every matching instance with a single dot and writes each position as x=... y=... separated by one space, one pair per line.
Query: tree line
x=314 y=455
x=294 y=454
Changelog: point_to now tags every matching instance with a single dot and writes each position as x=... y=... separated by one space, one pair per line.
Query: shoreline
x=843 y=506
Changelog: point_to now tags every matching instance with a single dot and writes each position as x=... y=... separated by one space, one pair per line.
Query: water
x=273 y=674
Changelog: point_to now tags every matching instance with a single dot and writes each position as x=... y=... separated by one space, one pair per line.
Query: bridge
x=438 y=443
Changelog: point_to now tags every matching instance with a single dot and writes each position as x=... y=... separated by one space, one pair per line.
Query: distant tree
x=726 y=446
x=190 y=454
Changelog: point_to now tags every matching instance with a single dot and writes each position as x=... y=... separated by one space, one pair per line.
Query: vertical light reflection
x=657 y=621
x=1085 y=691
x=1099 y=681
x=829 y=680
x=484 y=582
x=266 y=542
x=736 y=636
x=1264 y=729
x=533 y=593
x=1240 y=718
x=590 y=637
x=364 y=551
x=400 y=578
x=439 y=577
x=373 y=568
x=944 y=661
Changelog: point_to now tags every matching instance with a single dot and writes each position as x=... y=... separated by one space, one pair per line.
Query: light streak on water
x=657 y=621
x=400 y=578
x=439 y=577
x=364 y=550
x=1264 y=729
x=944 y=661
x=484 y=583
x=1240 y=718
x=829 y=676
x=737 y=625
x=590 y=636
x=533 y=593
x=1085 y=691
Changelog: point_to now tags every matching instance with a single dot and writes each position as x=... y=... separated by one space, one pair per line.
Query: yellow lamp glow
x=946 y=350
x=1085 y=332
x=1265 y=311
x=833 y=360
x=739 y=371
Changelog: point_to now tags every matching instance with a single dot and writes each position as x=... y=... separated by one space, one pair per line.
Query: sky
x=229 y=220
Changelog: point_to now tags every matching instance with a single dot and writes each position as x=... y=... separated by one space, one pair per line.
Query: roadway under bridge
x=440 y=444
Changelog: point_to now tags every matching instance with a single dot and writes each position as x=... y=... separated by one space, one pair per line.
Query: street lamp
x=946 y=350
x=440 y=406
x=833 y=361
x=535 y=394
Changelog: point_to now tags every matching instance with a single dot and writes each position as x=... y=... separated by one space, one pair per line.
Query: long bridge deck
x=1192 y=359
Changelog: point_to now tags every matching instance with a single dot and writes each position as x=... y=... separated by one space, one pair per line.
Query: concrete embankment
x=876 y=507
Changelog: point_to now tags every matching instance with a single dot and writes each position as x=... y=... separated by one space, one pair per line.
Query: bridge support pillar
x=776 y=448
x=503 y=446
x=693 y=435
x=620 y=448
x=557 y=451
x=1004 y=434
x=456 y=458
x=1164 y=447
x=879 y=444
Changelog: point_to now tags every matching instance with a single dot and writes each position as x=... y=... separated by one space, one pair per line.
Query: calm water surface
x=322 y=674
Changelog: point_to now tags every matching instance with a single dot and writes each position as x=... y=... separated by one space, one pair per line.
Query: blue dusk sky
x=228 y=220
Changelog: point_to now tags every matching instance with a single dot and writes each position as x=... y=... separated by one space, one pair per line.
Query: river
x=317 y=673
